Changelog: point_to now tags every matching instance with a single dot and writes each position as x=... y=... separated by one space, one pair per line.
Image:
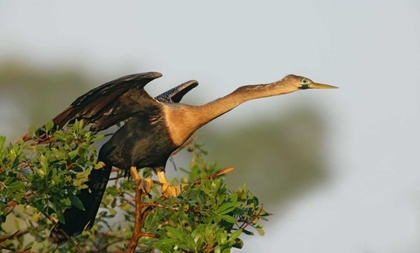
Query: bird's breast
x=142 y=142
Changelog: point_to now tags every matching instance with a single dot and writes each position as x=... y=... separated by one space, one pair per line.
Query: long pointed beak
x=321 y=86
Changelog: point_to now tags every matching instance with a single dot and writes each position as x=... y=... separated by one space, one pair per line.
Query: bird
x=157 y=129
x=76 y=219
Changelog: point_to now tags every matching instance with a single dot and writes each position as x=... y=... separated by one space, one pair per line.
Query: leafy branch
x=39 y=180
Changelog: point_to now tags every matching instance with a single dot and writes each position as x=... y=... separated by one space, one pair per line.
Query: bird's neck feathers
x=183 y=120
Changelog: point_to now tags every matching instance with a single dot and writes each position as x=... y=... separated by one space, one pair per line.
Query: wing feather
x=99 y=104
x=175 y=94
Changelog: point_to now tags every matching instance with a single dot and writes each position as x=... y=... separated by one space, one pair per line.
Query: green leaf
x=175 y=232
x=49 y=125
x=60 y=215
x=73 y=154
x=97 y=138
x=39 y=172
x=15 y=186
x=75 y=201
x=2 y=141
x=112 y=211
x=233 y=197
x=227 y=207
x=260 y=229
x=29 y=245
x=235 y=235
x=247 y=232
x=60 y=136
x=239 y=244
x=99 y=165
x=227 y=250
x=229 y=219
x=166 y=245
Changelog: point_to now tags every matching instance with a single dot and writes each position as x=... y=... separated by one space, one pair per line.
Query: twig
x=137 y=221
x=101 y=249
x=253 y=219
x=49 y=218
x=18 y=233
x=140 y=215
x=117 y=177
x=5 y=237
x=12 y=206
x=15 y=250
x=25 y=138
x=214 y=175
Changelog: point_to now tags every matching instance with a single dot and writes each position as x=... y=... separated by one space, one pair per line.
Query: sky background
x=370 y=49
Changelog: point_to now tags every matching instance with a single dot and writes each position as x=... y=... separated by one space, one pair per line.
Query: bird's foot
x=167 y=189
x=171 y=190
x=146 y=185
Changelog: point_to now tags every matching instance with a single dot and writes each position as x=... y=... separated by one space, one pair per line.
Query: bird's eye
x=305 y=81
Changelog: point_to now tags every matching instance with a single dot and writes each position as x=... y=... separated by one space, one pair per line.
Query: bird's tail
x=77 y=220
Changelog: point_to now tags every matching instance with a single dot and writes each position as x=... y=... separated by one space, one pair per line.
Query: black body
x=145 y=145
x=143 y=141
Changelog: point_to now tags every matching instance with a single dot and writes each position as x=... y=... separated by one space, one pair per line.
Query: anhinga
x=156 y=129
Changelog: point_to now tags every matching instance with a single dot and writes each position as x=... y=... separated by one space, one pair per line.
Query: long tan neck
x=183 y=120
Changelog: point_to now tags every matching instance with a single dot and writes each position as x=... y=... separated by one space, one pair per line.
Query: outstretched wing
x=118 y=100
x=109 y=103
x=175 y=95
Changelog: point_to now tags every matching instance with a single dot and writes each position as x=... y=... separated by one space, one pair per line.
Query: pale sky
x=370 y=49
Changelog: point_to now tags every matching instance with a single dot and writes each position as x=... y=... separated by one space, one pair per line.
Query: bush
x=38 y=181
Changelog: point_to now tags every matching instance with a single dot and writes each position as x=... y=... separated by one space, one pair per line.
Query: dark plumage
x=109 y=103
x=118 y=100
x=76 y=219
x=175 y=95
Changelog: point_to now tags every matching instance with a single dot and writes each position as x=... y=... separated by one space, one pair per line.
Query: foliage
x=39 y=181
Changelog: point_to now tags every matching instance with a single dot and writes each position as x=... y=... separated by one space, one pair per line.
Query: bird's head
x=302 y=83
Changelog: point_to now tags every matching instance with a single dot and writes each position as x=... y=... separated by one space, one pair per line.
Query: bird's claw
x=146 y=185
x=171 y=190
